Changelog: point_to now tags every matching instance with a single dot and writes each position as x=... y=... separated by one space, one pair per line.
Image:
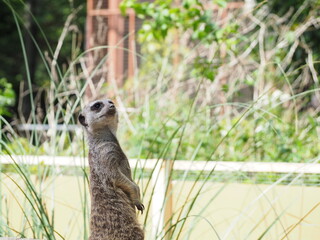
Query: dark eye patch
x=97 y=106
x=82 y=120
x=110 y=102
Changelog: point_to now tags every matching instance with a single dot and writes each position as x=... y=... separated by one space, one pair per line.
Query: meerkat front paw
x=139 y=206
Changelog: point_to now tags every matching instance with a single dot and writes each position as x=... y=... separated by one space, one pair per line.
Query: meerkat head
x=98 y=116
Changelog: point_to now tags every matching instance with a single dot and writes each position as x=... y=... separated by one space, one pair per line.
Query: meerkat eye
x=96 y=106
x=110 y=102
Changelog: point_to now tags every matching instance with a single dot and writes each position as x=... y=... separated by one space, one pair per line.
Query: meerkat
x=114 y=195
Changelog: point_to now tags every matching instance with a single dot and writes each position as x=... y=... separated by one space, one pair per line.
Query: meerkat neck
x=103 y=135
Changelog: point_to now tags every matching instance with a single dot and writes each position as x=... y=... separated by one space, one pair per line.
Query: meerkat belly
x=112 y=214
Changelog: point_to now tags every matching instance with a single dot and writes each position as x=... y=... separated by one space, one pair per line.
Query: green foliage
x=264 y=135
x=204 y=68
x=296 y=14
x=7 y=97
x=41 y=29
x=11 y=63
x=162 y=16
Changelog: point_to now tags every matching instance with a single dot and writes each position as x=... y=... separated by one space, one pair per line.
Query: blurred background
x=219 y=114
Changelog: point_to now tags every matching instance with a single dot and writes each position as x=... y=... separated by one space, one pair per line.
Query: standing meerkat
x=114 y=195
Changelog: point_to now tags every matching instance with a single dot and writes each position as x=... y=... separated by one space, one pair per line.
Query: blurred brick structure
x=116 y=33
x=107 y=27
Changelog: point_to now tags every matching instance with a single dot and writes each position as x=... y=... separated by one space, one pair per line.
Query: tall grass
x=174 y=117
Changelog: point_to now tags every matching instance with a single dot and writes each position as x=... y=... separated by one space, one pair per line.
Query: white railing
x=218 y=166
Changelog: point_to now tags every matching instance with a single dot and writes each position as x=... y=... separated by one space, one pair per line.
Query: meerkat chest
x=109 y=157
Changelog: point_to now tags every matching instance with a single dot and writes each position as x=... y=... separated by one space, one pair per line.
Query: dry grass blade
x=300 y=221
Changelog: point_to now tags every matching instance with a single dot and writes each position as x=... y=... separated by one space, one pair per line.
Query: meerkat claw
x=140 y=207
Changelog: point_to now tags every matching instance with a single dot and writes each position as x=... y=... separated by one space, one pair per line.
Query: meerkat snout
x=99 y=115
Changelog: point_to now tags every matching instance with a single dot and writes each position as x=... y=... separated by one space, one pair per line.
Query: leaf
x=220 y=3
x=225 y=87
x=7 y=96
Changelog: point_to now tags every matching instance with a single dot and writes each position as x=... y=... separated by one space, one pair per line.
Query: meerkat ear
x=82 y=120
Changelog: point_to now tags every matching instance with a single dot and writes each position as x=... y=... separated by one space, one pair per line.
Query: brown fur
x=114 y=195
